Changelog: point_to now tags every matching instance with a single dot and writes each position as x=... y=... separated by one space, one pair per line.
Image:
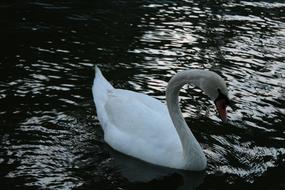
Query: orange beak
x=221 y=106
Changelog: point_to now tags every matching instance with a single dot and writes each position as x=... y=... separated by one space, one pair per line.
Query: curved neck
x=191 y=147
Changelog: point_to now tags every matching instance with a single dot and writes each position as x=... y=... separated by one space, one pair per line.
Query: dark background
x=49 y=135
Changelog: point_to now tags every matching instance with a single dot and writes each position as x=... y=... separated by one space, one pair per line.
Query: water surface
x=50 y=135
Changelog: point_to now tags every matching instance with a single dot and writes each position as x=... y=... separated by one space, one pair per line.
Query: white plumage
x=141 y=126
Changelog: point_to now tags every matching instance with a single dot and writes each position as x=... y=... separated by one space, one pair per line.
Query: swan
x=145 y=128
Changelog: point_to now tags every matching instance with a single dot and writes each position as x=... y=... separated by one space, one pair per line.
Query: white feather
x=140 y=126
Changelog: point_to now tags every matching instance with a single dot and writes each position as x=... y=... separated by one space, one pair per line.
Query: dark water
x=50 y=136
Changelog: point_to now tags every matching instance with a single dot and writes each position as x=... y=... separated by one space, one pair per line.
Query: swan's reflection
x=147 y=175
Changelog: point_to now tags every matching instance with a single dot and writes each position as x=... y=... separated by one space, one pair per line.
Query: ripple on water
x=50 y=137
x=48 y=150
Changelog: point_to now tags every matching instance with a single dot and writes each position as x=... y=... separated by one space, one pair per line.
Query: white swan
x=143 y=127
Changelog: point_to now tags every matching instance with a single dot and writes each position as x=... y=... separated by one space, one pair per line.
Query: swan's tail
x=101 y=87
x=100 y=83
x=100 y=90
x=99 y=77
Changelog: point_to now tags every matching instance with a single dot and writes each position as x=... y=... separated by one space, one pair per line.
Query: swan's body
x=143 y=127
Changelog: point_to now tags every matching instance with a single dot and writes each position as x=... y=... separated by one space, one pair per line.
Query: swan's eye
x=220 y=95
x=223 y=97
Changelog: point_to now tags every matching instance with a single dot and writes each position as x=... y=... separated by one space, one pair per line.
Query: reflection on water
x=137 y=171
x=50 y=136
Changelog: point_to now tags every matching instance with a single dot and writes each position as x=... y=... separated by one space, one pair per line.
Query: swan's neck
x=192 y=152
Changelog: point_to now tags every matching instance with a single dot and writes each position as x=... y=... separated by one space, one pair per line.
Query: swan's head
x=211 y=83
x=215 y=87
